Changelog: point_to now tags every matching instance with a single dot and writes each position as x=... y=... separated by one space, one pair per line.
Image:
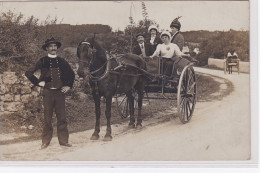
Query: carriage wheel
x=122 y=104
x=186 y=94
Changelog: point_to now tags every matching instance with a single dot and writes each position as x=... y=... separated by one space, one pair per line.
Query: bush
x=19 y=37
x=219 y=45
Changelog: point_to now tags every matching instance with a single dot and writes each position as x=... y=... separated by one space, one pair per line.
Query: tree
x=141 y=27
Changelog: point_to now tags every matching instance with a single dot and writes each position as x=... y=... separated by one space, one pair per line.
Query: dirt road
x=218 y=131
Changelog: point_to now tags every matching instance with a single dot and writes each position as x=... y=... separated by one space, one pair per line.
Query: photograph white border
x=253 y=162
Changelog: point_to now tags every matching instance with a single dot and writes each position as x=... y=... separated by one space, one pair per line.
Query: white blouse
x=152 y=39
x=167 y=51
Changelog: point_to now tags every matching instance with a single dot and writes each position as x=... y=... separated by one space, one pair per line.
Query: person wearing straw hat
x=141 y=48
x=177 y=37
x=168 y=51
x=154 y=39
x=56 y=78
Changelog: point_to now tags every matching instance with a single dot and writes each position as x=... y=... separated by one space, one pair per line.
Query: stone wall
x=16 y=93
x=18 y=96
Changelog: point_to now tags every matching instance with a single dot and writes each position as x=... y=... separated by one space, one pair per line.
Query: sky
x=196 y=15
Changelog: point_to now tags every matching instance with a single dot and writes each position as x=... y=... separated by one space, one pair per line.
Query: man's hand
x=65 y=89
x=41 y=84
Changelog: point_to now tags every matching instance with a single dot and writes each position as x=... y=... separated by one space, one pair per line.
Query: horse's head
x=85 y=54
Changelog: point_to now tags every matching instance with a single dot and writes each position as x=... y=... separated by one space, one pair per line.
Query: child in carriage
x=168 y=51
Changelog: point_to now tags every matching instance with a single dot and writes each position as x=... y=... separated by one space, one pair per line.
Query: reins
x=108 y=66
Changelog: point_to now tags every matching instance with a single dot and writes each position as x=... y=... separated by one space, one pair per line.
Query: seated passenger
x=154 y=40
x=177 y=37
x=141 y=48
x=168 y=51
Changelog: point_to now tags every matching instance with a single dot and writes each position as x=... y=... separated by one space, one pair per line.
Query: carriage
x=127 y=76
x=230 y=62
x=180 y=86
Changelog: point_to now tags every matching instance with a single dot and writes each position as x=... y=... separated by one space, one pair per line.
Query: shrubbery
x=218 y=45
x=21 y=39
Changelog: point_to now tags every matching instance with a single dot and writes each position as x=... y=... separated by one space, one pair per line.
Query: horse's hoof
x=139 y=126
x=131 y=125
x=108 y=138
x=94 y=137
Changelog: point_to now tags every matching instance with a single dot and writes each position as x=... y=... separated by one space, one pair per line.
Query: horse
x=109 y=76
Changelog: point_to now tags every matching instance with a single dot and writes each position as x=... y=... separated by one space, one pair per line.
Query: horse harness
x=108 y=70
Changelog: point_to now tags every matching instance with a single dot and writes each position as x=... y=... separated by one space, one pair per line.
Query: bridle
x=93 y=56
x=90 y=52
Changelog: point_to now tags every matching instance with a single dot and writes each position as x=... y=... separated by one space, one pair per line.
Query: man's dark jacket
x=137 y=49
x=67 y=75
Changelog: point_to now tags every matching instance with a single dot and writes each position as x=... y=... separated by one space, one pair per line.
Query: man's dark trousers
x=54 y=100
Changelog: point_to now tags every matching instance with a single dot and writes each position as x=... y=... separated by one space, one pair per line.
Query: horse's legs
x=131 y=109
x=140 y=92
x=95 y=135
x=108 y=136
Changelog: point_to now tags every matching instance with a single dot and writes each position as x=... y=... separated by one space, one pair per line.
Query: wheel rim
x=186 y=94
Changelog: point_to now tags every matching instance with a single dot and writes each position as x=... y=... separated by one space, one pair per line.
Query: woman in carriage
x=154 y=39
x=168 y=51
x=177 y=37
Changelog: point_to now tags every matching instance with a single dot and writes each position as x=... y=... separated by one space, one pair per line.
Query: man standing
x=141 y=48
x=56 y=78
x=177 y=37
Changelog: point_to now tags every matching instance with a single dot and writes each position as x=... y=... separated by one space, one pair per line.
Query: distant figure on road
x=177 y=37
x=230 y=57
x=56 y=78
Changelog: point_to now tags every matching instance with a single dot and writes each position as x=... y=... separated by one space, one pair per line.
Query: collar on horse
x=107 y=64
